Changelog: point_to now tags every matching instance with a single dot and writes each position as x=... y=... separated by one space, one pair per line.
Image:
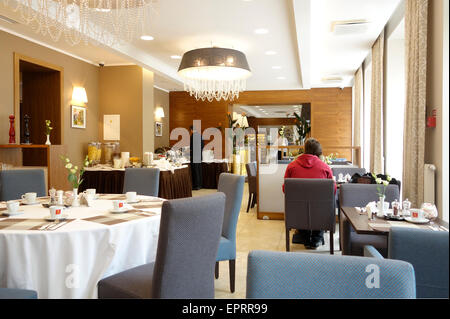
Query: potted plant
x=48 y=129
x=381 y=191
x=303 y=128
x=75 y=175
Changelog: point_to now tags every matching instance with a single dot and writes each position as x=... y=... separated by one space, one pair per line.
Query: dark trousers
x=197 y=177
x=312 y=235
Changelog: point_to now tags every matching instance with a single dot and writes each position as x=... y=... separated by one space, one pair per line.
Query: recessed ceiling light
x=270 y=53
x=175 y=57
x=276 y=67
x=102 y=9
x=261 y=31
x=147 y=37
x=281 y=78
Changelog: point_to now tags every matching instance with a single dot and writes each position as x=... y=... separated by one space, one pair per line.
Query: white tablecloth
x=68 y=262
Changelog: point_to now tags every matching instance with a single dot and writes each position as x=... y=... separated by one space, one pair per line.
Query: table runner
x=112 y=219
x=30 y=224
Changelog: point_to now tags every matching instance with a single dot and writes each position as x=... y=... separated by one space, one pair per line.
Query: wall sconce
x=79 y=95
x=159 y=113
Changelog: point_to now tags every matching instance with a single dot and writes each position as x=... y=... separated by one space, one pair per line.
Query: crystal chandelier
x=214 y=73
x=106 y=22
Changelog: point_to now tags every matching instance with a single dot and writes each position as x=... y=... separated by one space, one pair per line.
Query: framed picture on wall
x=158 y=128
x=78 y=115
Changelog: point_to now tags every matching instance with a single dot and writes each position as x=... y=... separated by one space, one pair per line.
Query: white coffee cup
x=118 y=205
x=56 y=212
x=131 y=197
x=30 y=198
x=13 y=206
x=417 y=214
x=90 y=191
x=117 y=163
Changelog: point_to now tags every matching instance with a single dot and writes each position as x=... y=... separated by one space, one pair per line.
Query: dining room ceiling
x=289 y=44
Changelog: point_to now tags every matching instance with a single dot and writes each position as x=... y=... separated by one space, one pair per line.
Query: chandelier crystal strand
x=106 y=22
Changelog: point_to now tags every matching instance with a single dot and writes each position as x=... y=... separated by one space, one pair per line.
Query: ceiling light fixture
x=270 y=52
x=276 y=67
x=175 y=57
x=214 y=73
x=147 y=37
x=104 y=22
x=261 y=31
x=281 y=78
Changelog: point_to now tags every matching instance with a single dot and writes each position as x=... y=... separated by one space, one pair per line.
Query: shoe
x=315 y=243
x=300 y=237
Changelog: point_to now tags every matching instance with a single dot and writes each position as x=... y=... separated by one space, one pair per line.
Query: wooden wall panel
x=331 y=112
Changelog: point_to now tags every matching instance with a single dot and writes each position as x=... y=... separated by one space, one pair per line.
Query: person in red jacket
x=309 y=165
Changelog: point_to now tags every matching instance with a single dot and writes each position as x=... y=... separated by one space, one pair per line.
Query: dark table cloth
x=171 y=186
x=211 y=173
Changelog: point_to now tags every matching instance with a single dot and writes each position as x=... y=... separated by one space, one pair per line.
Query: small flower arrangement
x=48 y=128
x=75 y=175
x=381 y=185
x=328 y=159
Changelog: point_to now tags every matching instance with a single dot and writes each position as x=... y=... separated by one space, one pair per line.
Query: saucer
x=133 y=202
x=7 y=213
x=119 y=211
x=417 y=221
x=50 y=219
x=25 y=203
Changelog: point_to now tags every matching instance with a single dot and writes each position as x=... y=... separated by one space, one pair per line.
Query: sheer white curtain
x=366 y=114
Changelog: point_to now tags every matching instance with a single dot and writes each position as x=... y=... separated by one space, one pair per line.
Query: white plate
x=417 y=221
x=134 y=202
x=119 y=211
x=18 y=212
x=50 y=219
x=35 y=203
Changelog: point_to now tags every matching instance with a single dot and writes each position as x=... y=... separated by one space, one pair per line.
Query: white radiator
x=429 y=173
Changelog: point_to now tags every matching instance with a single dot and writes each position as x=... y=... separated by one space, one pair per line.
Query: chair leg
x=249 y=201
x=216 y=270
x=331 y=242
x=254 y=200
x=339 y=227
x=287 y=239
x=232 y=266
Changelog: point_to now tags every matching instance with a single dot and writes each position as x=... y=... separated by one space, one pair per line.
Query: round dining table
x=66 y=259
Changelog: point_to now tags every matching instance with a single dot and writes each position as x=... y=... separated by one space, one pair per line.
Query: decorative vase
x=236 y=164
x=75 y=202
x=48 y=140
x=12 y=130
x=380 y=207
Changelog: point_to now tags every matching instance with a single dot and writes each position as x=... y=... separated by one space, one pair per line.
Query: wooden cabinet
x=46 y=156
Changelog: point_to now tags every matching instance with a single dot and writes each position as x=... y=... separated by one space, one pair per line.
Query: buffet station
x=107 y=175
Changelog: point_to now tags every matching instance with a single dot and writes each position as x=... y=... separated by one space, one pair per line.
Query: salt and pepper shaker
x=395 y=207
x=60 y=195
x=52 y=193
x=406 y=207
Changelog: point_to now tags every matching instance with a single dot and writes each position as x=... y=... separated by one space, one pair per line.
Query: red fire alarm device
x=431 y=120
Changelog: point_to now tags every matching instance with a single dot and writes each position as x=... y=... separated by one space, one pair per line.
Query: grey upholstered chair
x=233 y=187
x=427 y=251
x=358 y=195
x=144 y=181
x=10 y=293
x=348 y=170
x=300 y=275
x=309 y=205
x=15 y=183
x=251 y=179
x=189 y=236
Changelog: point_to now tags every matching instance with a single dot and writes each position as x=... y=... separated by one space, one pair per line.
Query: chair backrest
x=359 y=195
x=427 y=251
x=309 y=204
x=251 y=172
x=302 y=275
x=188 y=241
x=348 y=170
x=11 y=293
x=144 y=181
x=14 y=183
x=233 y=187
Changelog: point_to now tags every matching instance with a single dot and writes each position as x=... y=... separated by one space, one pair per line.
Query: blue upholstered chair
x=14 y=183
x=10 y=293
x=144 y=181
x=427 y=251
x=233 y=187
x=189 y=236
x=358 y=195
x=272 y=275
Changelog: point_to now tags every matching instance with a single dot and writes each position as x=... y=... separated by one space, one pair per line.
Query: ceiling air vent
x=349 y=27
x=6 y=19
x=332 y=79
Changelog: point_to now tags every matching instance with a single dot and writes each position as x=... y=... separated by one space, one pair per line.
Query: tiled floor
x=255 y=234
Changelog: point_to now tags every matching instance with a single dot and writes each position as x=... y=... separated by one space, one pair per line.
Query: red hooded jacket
x=308 y=166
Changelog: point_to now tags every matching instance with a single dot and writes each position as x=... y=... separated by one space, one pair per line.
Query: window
x=366 y=115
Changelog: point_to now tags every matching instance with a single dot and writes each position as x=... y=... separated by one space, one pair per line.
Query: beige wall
x=128 y=91
x=76 y=73
x=433 y=150
x=162 y=100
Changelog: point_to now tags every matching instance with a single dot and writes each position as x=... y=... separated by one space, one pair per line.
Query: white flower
x=69 y=166
x=385 y=183
x=378 y=180
x=388 y=178
x=67 y=160
x=86 y=163
x=73 y=171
